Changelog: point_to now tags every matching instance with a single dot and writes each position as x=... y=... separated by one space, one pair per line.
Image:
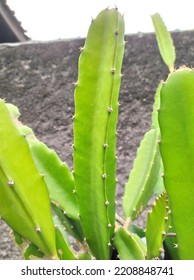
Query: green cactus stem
x=165 y=42
x=159 y=187
x=176 y=120
x=63 y=248
x=96 y=113
x=143 y=176
x=157 y=226
x=24 y=200
x=129 y=245
x=171 y=248
x=73 y=227
x=59 y=179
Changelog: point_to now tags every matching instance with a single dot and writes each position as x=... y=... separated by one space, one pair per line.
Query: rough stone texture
x=38 y=78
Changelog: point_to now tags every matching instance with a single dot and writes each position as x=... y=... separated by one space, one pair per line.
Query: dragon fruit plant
x=60 y=214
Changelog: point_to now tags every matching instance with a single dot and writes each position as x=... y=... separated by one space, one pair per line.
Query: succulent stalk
x=96 y=113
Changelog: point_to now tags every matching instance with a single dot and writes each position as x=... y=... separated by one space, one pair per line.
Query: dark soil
x=38 y=78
